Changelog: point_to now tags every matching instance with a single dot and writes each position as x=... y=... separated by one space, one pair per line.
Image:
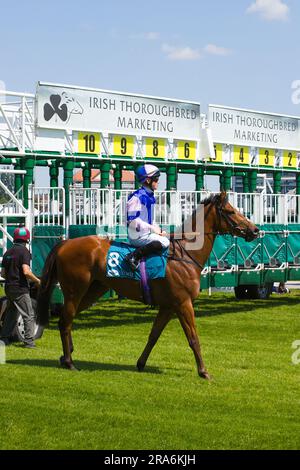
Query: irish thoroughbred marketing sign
x=254 y=129
x=82 y=109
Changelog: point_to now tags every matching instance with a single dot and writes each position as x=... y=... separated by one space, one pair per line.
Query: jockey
x=142 y=232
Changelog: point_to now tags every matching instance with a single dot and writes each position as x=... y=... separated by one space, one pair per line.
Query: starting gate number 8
x=155 y=148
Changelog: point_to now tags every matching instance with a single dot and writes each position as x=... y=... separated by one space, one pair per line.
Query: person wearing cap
x=16 y=272
x=143 y=233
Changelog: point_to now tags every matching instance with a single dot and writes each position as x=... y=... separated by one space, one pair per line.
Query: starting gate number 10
x=88 y=143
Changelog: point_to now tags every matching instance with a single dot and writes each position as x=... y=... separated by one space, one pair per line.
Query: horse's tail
x=48 y=281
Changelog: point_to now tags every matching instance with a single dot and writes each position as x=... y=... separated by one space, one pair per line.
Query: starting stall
x=67 y=128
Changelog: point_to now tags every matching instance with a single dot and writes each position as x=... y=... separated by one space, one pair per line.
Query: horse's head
x=73 y=106
x=230 y=220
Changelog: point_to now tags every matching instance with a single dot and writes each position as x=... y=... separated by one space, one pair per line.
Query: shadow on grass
x=84 y=365
x=229 y=305
x=117 y=313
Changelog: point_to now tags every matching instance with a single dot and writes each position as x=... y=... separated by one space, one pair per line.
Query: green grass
x=252 y=403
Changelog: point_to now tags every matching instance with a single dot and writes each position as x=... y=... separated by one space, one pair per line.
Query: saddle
x=152 y=267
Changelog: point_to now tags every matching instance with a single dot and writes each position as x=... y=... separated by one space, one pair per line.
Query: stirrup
x=133 y=263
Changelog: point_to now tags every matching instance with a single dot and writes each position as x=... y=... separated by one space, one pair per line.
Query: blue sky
x=207 y=51
x=241 y=53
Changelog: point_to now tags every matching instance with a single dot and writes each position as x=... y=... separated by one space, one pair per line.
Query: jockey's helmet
x=21 y=234
x=147 y=171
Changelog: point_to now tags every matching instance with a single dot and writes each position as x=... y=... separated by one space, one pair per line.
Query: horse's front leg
x=163 y=317
x=186 y=317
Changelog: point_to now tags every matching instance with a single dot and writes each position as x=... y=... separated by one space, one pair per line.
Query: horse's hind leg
x=186 y=317
x=65 y=326
x=71 y=307
x=163 y=317
x=94 y=292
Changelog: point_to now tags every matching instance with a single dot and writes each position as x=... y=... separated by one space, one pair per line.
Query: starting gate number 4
x=241 y=155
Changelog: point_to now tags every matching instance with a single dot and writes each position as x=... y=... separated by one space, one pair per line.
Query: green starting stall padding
x=44 y=238
x=235 y=262
x=76 y=231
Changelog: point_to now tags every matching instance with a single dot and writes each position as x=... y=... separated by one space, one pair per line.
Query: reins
x=183 y=250
x=222 y=214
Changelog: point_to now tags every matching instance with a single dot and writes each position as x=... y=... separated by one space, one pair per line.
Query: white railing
x=107 y=207
x=90 y=206
x=17 y=128
x=263 y=208
x=48 y=206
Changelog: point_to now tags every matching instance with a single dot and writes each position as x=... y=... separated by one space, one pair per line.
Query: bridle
x=234 y=227
x=222 y=213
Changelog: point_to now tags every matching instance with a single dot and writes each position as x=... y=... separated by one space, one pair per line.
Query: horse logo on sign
x=62 y=106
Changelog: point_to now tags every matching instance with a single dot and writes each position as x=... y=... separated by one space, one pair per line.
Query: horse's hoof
x=205 y=375
x=66 y=364
x=140 y=366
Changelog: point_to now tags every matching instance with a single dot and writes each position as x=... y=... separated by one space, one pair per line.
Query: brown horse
x=79 y=265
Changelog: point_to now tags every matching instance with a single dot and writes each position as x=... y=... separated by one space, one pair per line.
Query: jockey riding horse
x=143 y=233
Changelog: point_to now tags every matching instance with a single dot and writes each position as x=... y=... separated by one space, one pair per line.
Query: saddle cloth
x=117 y=267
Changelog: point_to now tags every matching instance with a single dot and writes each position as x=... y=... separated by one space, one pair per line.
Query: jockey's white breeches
x=152 y=237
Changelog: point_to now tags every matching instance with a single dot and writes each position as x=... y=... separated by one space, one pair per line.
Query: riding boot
x=134 y=258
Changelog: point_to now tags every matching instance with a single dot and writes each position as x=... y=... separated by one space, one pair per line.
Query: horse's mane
x=208 y=200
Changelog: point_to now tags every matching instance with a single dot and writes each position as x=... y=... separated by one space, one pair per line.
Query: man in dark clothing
x=16 y=272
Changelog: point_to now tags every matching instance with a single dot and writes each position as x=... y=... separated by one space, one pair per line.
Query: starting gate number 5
x=88 y=143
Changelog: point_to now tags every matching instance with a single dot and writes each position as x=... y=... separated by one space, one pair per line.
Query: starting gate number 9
x=123 y=145
x=155 y=148
x=88 y=143
x=186 y=150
